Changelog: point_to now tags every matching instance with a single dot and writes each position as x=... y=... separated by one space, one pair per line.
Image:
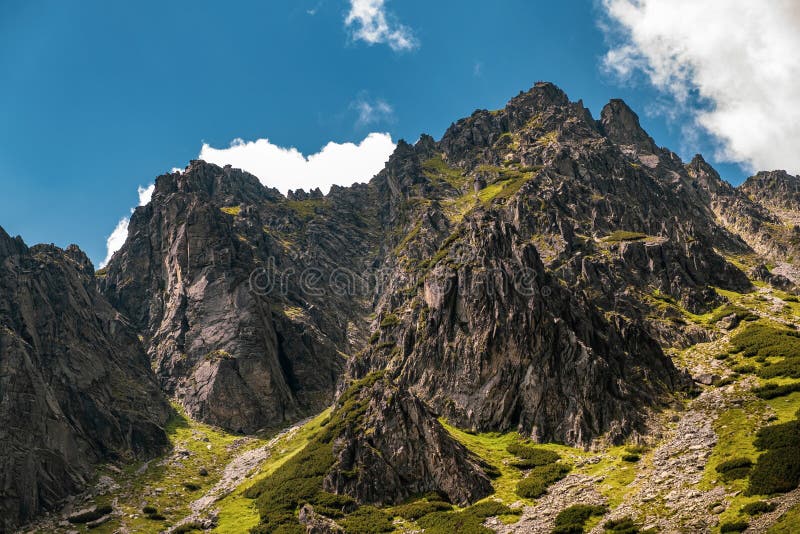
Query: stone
x=706 y=379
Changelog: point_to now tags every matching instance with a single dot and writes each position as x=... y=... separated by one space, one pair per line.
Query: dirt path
x=241 y=468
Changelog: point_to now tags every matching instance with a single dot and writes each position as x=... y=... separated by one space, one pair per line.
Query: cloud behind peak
x=731 y=64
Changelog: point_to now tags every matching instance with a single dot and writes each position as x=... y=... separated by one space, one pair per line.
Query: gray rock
x=77 y=388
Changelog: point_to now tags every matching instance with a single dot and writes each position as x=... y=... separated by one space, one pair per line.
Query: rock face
x=777 y=191
x=498 y=344
x=404 y=452
x=75 y=385
x=762 y=211
x=217 y=296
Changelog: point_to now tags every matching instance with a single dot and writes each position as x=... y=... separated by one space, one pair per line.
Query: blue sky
x=100 y=97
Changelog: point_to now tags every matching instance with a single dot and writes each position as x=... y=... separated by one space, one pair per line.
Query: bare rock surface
x=76 y=388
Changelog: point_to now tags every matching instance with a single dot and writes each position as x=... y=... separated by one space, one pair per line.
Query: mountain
x=76 y=388
x=537 y=275
x=539 y=174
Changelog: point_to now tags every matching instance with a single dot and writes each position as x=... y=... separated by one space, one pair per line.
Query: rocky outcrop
x=621 y=126
x=213 y=274
x=778 y=192
x=75 y=384
x=397 y=449
x=496 y=343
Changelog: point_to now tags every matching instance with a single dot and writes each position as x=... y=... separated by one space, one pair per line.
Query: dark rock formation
x=398 y=449
x=777 y=191
x=75 y=385
x=498 y=343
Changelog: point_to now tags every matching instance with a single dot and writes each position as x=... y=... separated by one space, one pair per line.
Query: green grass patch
x=574 y=518
x=414 y=510
x=492 y=447
x=531 y=456
x=231 y=210
x=758 y=507
x=91 y=515
x=726 y=310
x=777 y=470
x=367 y=520
x=762 y=341
x=436 y=169
x=539 y=479
x=389 y=320
x=306 y=209
x=734 y=526
x=203 y=447
x=787 y=523
x=467 y=521
x=734 y=469
x=772 y=390
x=237 y=512
x=624 y=525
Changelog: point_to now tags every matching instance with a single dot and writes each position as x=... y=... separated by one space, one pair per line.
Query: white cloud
x=738 y=56
x=371 y=23
x=115 y=241
x=117 y=238
x=145 y=193
x=287 y=168
x=372 y=112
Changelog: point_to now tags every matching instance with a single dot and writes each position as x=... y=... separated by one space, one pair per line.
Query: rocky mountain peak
x=541 y=96
x=621 y=124
x=706 y=177
x=779 y=187
x=10 y=245
x=209 y=180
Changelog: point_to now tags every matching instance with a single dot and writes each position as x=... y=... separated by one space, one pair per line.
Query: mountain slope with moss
x=541 y=322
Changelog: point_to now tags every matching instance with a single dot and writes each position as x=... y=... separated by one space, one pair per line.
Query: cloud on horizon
x=369 y=21
x=117 y=238
x=732 y=65
x=287 y=168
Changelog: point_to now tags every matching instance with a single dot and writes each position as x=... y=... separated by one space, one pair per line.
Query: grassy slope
x=737 y=427
x=617 y=474
x=162 y=486
x=161 y=482
x=237 y=513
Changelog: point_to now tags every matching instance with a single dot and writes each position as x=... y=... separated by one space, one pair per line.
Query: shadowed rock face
x=406 y=452
x=499 y=344
x=75 y=385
